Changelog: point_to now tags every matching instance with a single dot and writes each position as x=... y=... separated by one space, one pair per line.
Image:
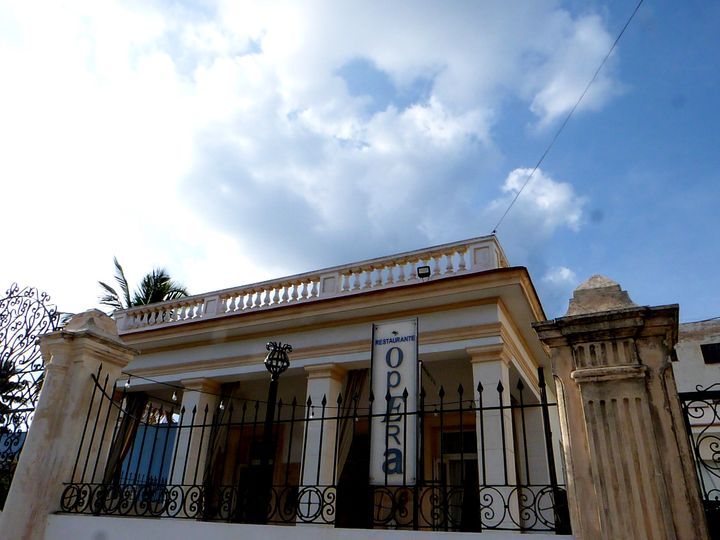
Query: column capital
x=91 y=332
x=489 y=353
x=326 y=371
x=201 y=384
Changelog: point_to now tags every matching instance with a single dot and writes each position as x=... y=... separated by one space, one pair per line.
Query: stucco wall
x=62 y=527
x=691 y=370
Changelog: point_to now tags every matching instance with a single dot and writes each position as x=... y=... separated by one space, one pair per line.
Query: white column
x=494 y=429
x=193 y=438
x=318 y=466
x=323 y=382
x=536 y=448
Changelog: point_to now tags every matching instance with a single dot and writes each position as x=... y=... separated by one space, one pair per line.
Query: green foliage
x=10 y=398
x=156 y=286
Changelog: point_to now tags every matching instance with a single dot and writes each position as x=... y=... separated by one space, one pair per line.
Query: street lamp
x=276 y=362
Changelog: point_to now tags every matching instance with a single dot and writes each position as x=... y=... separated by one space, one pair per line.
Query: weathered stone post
x=71 y=356
x=630 y=470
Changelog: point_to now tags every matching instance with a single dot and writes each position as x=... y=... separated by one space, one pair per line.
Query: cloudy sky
x=237 y=141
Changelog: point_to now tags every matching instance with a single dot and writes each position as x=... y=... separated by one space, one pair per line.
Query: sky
x=232 y=142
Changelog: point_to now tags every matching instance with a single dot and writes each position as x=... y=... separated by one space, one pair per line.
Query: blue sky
x=237 y=141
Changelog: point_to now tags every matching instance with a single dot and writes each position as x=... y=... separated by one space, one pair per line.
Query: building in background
x=697 y=372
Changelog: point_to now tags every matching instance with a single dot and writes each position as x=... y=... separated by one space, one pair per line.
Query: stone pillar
x=490 y=366
x=71 y=356
x=324 y=381
x=200 y=401
x=494 y=431
x=629 y=465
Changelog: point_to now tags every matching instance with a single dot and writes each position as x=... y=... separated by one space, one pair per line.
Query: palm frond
x=123 y=282
x=156 y=286
x=110 y=298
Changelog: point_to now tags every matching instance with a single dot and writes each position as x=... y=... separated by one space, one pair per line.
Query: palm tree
x=157 y=286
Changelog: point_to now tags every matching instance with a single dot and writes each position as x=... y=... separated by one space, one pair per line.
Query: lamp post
x=276 y=362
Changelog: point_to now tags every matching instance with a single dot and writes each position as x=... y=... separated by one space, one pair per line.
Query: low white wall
x=78 y=527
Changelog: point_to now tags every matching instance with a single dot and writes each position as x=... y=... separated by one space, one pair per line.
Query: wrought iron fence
x=702 y=419
x=478 y=466
x=25 y=314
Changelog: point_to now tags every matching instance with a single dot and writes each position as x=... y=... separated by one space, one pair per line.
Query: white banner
x=393 y=438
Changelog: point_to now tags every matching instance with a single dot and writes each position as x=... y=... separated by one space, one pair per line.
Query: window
x=711 y=353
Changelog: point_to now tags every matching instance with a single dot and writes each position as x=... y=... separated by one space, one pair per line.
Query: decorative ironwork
x=277 y=360
x=499 y=507
x=241 y=481
x=702 y=420
x=25 y=314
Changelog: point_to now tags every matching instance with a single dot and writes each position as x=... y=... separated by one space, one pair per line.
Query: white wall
x=64 y=527
x=691 y=370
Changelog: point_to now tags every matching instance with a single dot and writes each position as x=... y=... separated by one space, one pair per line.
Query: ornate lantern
x=277 y=360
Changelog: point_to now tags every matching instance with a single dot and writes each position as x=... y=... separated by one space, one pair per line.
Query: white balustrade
x=474 y=255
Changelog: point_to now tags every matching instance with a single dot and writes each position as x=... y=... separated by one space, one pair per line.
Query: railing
x=446 y=260
x=213 y=464
x=25 y=314
x=702 y=420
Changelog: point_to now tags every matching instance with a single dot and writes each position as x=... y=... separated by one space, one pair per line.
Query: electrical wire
x=569 y=115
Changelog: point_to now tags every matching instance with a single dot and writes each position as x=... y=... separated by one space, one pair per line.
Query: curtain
x=215 y=463
x=135 y=404
x=356 y=385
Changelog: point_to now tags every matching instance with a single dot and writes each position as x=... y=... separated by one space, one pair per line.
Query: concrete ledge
x=63 y=526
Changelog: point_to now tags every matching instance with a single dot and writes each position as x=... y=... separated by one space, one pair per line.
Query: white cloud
x=221 y=142
x=557 y=285
x=559 y=83
x=561 y=276
x=544 y=205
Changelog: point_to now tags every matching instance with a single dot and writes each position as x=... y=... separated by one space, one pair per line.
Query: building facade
x=422 y=391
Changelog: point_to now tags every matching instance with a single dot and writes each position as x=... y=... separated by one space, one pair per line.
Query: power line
x=569 y=115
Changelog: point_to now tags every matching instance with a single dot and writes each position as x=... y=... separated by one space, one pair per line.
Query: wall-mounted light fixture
x=423 y=272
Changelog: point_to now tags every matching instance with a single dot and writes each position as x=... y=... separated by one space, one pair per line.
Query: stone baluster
x=376 y=275
x=435 y=266
x=390 y=274
x=401 y=271
x=365 y=277
x=461 y=259
x=412 y=273
x=449 y=269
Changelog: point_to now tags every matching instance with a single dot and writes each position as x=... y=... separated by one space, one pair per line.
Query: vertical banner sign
x=393 y=438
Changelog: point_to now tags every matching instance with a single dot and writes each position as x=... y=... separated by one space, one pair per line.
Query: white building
x=444 y=457
x=697 y=373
